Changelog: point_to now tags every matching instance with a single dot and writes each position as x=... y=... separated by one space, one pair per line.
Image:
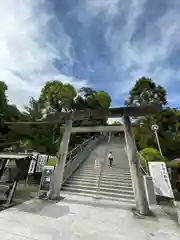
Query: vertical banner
x=32 y=166
x=160 y=177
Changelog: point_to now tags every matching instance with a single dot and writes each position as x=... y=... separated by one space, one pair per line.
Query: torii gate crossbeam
x=112 y=128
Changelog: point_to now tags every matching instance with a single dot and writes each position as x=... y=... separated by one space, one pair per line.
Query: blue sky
x=104 y=44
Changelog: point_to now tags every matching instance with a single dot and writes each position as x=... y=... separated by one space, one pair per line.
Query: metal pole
x=158 y=143
x=134 y=163
x=61 y=161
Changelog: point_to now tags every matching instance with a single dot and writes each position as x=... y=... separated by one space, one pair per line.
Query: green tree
x=41 y=137
x=101 y=99
x=8 y=133
x=145 y=91
x=57 y=95
x=3 y=98
x=116 y=123
x=168 y=120
x=150 y=155
x=33 y=110
x=88 y=98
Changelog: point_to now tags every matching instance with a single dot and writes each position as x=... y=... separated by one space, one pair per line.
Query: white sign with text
x=160 y=177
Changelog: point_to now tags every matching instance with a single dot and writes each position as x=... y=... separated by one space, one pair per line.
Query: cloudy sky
x=105 y=44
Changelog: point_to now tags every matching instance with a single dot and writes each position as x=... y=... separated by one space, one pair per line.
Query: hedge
x=152 y=154
x=149 y=155
x=174 y=164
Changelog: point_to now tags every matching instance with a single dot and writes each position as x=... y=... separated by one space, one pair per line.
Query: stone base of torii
x=134 y=163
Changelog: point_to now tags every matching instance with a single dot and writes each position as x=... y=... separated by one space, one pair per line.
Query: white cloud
x=26 y=53
x=28 y=45
x=95 y=7
x=145 y=52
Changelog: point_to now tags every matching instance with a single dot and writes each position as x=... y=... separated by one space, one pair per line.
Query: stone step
x=119 y=169
x=114 y=167
x=102 y=188
x=102 y=193
x=84 y=175
x=102 y=197
x=96 y=171
x=103 y=179
x=108 y=170
x=104 y=173
x=102 y=183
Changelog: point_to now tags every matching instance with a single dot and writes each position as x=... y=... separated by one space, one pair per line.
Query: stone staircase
x=115 y=183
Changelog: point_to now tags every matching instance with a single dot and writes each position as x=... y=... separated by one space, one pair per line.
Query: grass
x=51 y=162
x=26 y=191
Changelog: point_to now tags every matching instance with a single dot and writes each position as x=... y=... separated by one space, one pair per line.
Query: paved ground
x=37 y=220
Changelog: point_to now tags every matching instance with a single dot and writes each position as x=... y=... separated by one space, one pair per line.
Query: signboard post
x=160 y=177
x=46 y=180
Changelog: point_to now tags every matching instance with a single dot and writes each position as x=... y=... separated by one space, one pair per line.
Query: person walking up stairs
x=110 y=157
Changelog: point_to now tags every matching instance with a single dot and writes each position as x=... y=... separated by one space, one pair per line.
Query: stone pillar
x=134 y=163
x=61 y=161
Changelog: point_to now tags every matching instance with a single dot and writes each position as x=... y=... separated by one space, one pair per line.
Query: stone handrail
x=102 y=167
x=144 y=170
x=77 y=159
x=71 y=154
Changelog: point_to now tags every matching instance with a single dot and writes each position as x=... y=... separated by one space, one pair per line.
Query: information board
x=160 y=177
x=46 y=178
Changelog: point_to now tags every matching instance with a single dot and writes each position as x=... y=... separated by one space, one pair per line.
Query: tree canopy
x=57 y=96
x=145 y=91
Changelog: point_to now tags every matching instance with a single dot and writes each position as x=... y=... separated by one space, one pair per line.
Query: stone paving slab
x=38 y=220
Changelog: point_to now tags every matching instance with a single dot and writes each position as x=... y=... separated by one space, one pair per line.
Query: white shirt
x=110 y=155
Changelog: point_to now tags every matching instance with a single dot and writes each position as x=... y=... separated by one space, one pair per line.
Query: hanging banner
x=160 y=177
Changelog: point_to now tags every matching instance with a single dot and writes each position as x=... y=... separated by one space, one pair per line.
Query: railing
x=72 y=154
x=78 y=155
x=144 y=170
x=102 y=167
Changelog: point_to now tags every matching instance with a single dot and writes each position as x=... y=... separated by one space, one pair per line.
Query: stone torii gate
x=124 y=112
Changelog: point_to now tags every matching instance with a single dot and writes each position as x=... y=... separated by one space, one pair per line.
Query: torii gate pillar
x=61 y=161
x=134 y=163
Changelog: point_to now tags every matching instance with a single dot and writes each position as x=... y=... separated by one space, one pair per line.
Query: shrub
x=173 y=164
x=149 y=155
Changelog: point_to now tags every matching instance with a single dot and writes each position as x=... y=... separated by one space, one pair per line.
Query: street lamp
x=155 y=128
